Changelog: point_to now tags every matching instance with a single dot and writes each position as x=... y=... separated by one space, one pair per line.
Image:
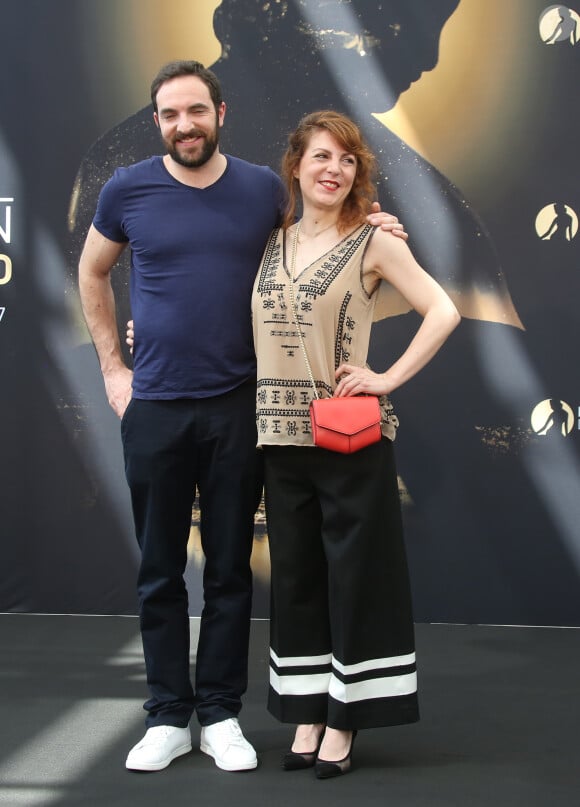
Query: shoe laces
x=230 y=731
x=157 y=734
x=231 y=727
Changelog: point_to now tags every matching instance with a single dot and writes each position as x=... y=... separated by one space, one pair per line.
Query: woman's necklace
x=295 y=309
x=293 y=257
x=311 y=237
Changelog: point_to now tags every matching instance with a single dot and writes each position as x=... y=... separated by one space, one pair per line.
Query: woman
x=342 y=650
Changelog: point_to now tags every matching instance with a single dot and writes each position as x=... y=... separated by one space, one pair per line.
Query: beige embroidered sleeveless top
x=335 y=314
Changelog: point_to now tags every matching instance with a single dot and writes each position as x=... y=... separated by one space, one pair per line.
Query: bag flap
x=347 y=415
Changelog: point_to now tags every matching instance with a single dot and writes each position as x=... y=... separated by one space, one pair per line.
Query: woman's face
x=326 y=172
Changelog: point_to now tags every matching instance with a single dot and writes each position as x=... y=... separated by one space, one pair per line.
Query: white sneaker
x=160 y=746
x=225 y=742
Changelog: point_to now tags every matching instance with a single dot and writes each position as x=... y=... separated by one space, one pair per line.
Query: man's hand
x=386 y=222
x=130 y=335
x=118 y=385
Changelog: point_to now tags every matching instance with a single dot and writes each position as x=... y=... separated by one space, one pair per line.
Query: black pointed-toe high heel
x=295 y=761
x=324 y=769
x=292 y=761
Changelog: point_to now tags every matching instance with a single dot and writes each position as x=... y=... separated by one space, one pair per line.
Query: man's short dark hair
x=187 y=68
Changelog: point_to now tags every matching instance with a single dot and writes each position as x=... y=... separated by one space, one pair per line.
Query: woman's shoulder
x=384 y=249
x=384 y=242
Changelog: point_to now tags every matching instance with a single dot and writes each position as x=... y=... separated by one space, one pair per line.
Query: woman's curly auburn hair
x=348 y=135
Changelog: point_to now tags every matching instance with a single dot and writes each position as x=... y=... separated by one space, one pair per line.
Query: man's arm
x=98 y=257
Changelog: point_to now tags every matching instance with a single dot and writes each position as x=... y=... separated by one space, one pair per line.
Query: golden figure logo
x=552 y=417
x=559 y=24
x=557 y=222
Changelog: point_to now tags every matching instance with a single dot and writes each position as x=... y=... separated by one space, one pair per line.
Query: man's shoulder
x=245 y=167
x=137 y=173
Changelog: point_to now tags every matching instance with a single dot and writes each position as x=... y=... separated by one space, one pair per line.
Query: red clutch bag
x=345 y=424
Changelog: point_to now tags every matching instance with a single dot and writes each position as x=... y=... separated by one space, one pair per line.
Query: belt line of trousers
x=172 y=448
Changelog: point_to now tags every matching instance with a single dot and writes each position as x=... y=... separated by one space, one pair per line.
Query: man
x=197 y=222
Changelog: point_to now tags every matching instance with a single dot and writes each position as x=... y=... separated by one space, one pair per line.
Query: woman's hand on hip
x=353 y=380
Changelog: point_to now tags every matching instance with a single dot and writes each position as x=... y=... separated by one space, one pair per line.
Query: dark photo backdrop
x=469 y=105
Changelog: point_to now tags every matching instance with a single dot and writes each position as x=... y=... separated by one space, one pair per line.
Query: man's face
x=188 y=120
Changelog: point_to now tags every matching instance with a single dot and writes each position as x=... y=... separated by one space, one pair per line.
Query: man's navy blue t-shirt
x=194 y=256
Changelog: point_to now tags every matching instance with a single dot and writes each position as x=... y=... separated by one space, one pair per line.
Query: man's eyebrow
x=200 y=107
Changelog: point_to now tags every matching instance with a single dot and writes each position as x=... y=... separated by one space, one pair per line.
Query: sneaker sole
x=249 y=766
x=159 y=766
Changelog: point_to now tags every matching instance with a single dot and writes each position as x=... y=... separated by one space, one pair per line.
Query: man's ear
x=156 y=119
x=221 y=113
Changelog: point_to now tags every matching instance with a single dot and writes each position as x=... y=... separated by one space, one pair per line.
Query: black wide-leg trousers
x=342 y=646
x=172 y=447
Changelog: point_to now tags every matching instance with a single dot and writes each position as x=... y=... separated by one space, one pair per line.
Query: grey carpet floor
x=500 y=724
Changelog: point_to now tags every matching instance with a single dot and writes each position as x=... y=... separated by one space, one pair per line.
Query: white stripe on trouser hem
x=374 y=664
x=300 y=684
x=389 y=687
x=346 y=669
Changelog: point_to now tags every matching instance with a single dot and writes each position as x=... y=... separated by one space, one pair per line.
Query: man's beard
x=210 y=144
